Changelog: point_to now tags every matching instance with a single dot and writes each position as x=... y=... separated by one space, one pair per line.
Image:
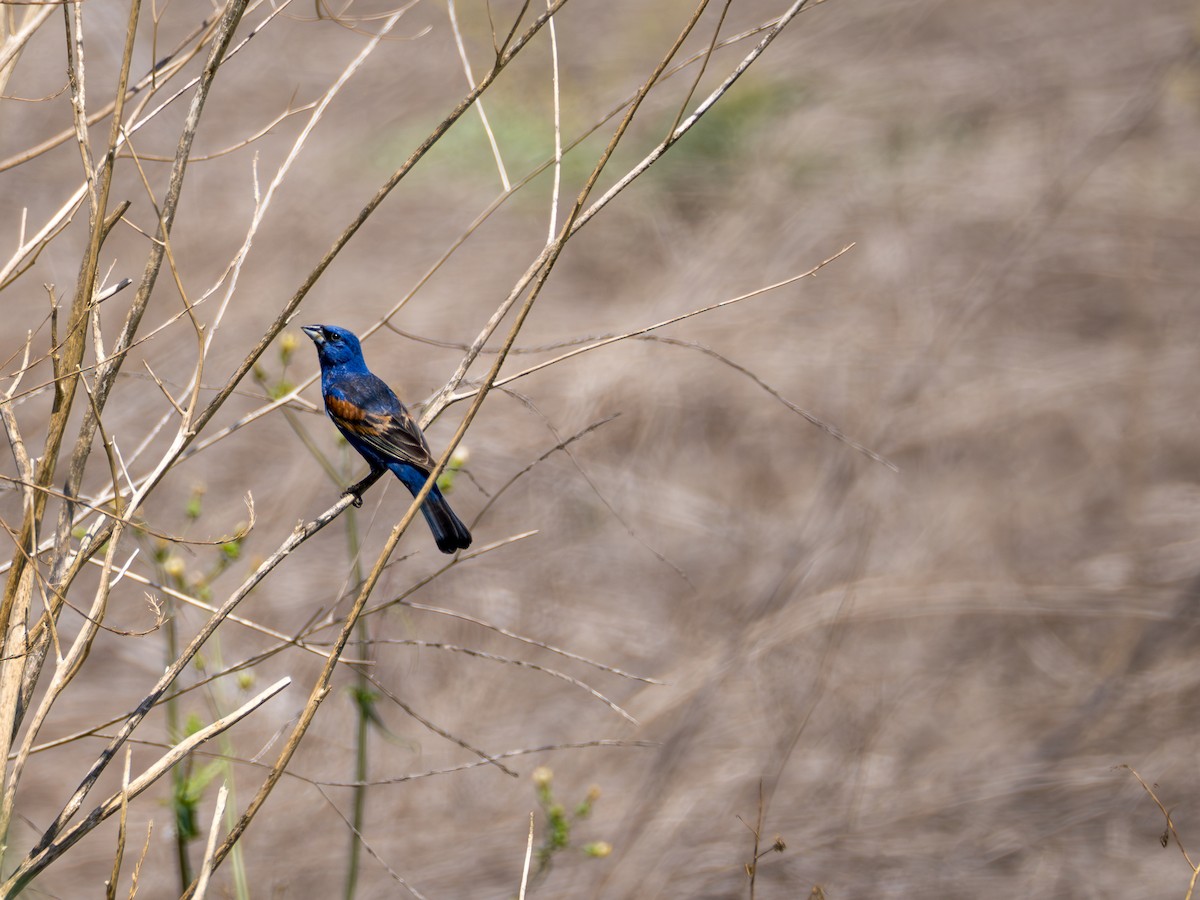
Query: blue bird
x=377 y=425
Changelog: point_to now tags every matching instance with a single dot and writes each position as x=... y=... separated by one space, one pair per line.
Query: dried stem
x=43 y=856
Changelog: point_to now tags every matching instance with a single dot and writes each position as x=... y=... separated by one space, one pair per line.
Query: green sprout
x=559 y=823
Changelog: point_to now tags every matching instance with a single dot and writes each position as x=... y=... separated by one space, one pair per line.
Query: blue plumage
x=377 y=425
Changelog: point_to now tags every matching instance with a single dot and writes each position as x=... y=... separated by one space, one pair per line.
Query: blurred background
x=924 y=681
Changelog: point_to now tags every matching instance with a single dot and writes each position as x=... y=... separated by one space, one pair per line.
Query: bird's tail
x=448 y=530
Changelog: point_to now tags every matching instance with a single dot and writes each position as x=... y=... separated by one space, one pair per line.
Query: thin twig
x=137 y=869
x=528 y=857
x=111 y=887
x=466 y=617
x=43 y=856
x=520 y=663
x=558 y=150
x=1166 y=815
x=206 y=866
x=466 y=65
x=363 y=842
x=508 y=754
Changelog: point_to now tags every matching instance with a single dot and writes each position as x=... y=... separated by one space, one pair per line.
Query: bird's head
x=335 y=346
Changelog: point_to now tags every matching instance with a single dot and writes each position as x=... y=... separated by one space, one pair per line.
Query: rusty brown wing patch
x=349 y=414
x=351 y=417
x=396 y=437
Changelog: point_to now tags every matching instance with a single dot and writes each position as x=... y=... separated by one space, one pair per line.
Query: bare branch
x=42 y=856
x=206 y=864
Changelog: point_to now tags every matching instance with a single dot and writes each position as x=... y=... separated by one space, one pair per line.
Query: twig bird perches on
x=377 y=425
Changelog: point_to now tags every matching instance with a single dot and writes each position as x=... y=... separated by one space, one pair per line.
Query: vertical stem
x=179 y=774
x=361 y=686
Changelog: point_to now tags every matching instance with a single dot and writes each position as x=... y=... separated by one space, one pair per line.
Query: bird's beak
x=316 y=332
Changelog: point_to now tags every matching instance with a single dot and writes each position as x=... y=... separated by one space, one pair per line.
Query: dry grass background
x=933 y=673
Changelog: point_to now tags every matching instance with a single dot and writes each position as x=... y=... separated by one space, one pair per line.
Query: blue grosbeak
x=377 y=425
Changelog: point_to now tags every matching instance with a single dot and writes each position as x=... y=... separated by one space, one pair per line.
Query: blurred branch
x=440 y=732
x=508 y=754
x=832 y=430
x=491 y=626
x=163 y=70
x=705 y=59
x=601 y=496
x=466 y=64
x=14 y=42
x=243 y=143
x=359 y=840
x=1071 y=171
x=563 y=444
x=636 y=333
x=519 y=663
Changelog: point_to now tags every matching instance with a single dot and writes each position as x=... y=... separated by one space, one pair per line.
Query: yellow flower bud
x=288 y=344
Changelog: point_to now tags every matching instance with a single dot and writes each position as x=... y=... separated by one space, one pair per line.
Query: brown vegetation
x=934 y=673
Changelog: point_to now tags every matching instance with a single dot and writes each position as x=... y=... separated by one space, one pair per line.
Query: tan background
x=935 y=672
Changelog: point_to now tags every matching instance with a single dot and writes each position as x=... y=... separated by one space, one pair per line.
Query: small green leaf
x=281 y=389
x=193 y=724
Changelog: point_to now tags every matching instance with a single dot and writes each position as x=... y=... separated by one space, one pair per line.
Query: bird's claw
x=355 y=498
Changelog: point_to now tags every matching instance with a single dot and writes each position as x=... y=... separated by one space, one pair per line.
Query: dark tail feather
x=448 y=530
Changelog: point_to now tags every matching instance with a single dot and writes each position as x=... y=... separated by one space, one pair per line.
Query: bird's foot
x=357 y=489
x=355 y=497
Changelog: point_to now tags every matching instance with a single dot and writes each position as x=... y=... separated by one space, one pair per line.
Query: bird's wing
x=366 y=409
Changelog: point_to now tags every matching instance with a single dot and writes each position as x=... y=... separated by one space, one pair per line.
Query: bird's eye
x=334 y=336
